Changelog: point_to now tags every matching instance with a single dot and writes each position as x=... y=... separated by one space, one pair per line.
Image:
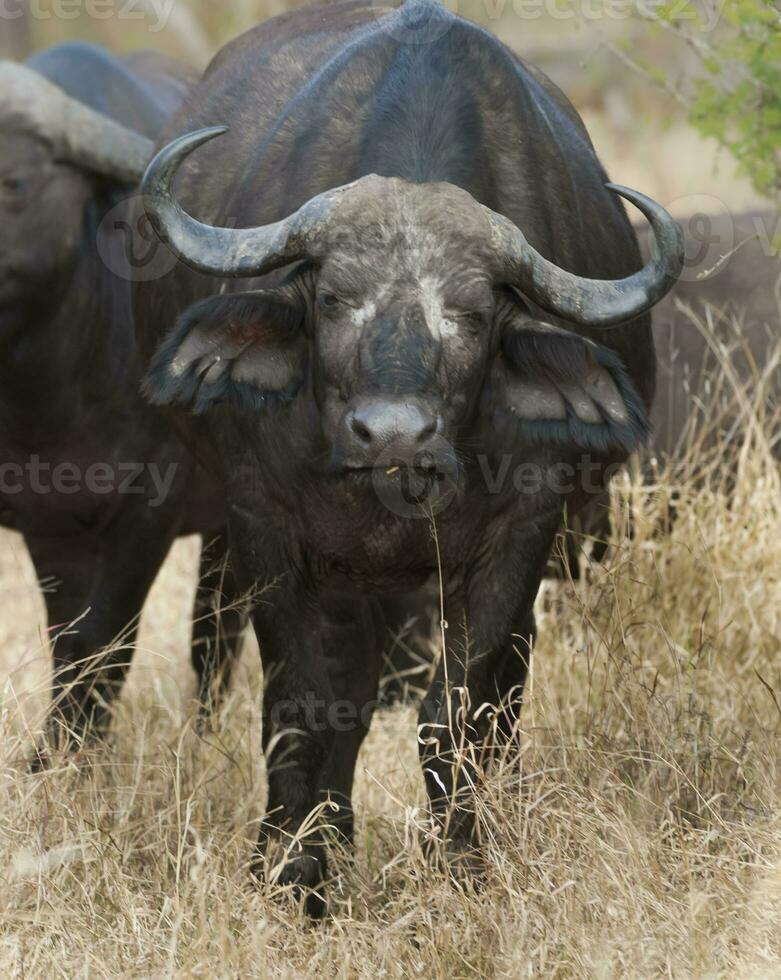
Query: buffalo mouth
x=423 y=464
x=414 y=478
x=407 y=490
x=395 y=469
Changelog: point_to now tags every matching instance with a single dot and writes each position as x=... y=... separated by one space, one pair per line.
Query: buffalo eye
x=471 y=320
x=327 y=301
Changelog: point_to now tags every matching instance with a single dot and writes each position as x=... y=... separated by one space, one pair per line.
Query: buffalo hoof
x=301 y=873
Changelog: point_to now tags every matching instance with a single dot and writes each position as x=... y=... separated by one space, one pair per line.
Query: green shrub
x=736 y=97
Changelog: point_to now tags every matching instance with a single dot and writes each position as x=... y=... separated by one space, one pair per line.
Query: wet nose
x=391 y=428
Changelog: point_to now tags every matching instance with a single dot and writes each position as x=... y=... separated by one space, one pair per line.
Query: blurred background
x=682 y=98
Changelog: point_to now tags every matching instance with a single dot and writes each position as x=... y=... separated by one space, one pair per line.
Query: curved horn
x=225 y=252
x=252 y=251
x=594 y=302
x=76 y=133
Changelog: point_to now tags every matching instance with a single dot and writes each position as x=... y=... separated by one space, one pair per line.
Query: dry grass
x=639 y=834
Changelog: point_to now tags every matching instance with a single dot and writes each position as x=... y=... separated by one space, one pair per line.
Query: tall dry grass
x=638 y=834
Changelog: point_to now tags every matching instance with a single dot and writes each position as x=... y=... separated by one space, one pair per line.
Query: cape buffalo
x=402 y=174
x=89 y=474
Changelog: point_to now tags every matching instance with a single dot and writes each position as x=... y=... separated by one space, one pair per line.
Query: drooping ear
x=244 y=349
x=563 y=389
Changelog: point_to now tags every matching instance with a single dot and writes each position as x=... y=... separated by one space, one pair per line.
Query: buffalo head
x=404 y=313
x=53 y=148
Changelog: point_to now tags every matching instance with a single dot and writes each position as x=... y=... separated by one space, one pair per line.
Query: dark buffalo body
x=69 y=368
x=78 y=445
x=140 y=89
x=310 y=398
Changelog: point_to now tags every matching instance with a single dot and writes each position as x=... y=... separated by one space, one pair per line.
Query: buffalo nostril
x=361 y=430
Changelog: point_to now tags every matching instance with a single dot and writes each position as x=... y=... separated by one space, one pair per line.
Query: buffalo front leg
x=510 y=681
x=482 y=668
x=351 y=642
x=321 y=669
x=297 y=742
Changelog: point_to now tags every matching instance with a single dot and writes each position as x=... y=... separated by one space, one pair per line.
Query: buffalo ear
x=560 y=388
x=243 y=349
